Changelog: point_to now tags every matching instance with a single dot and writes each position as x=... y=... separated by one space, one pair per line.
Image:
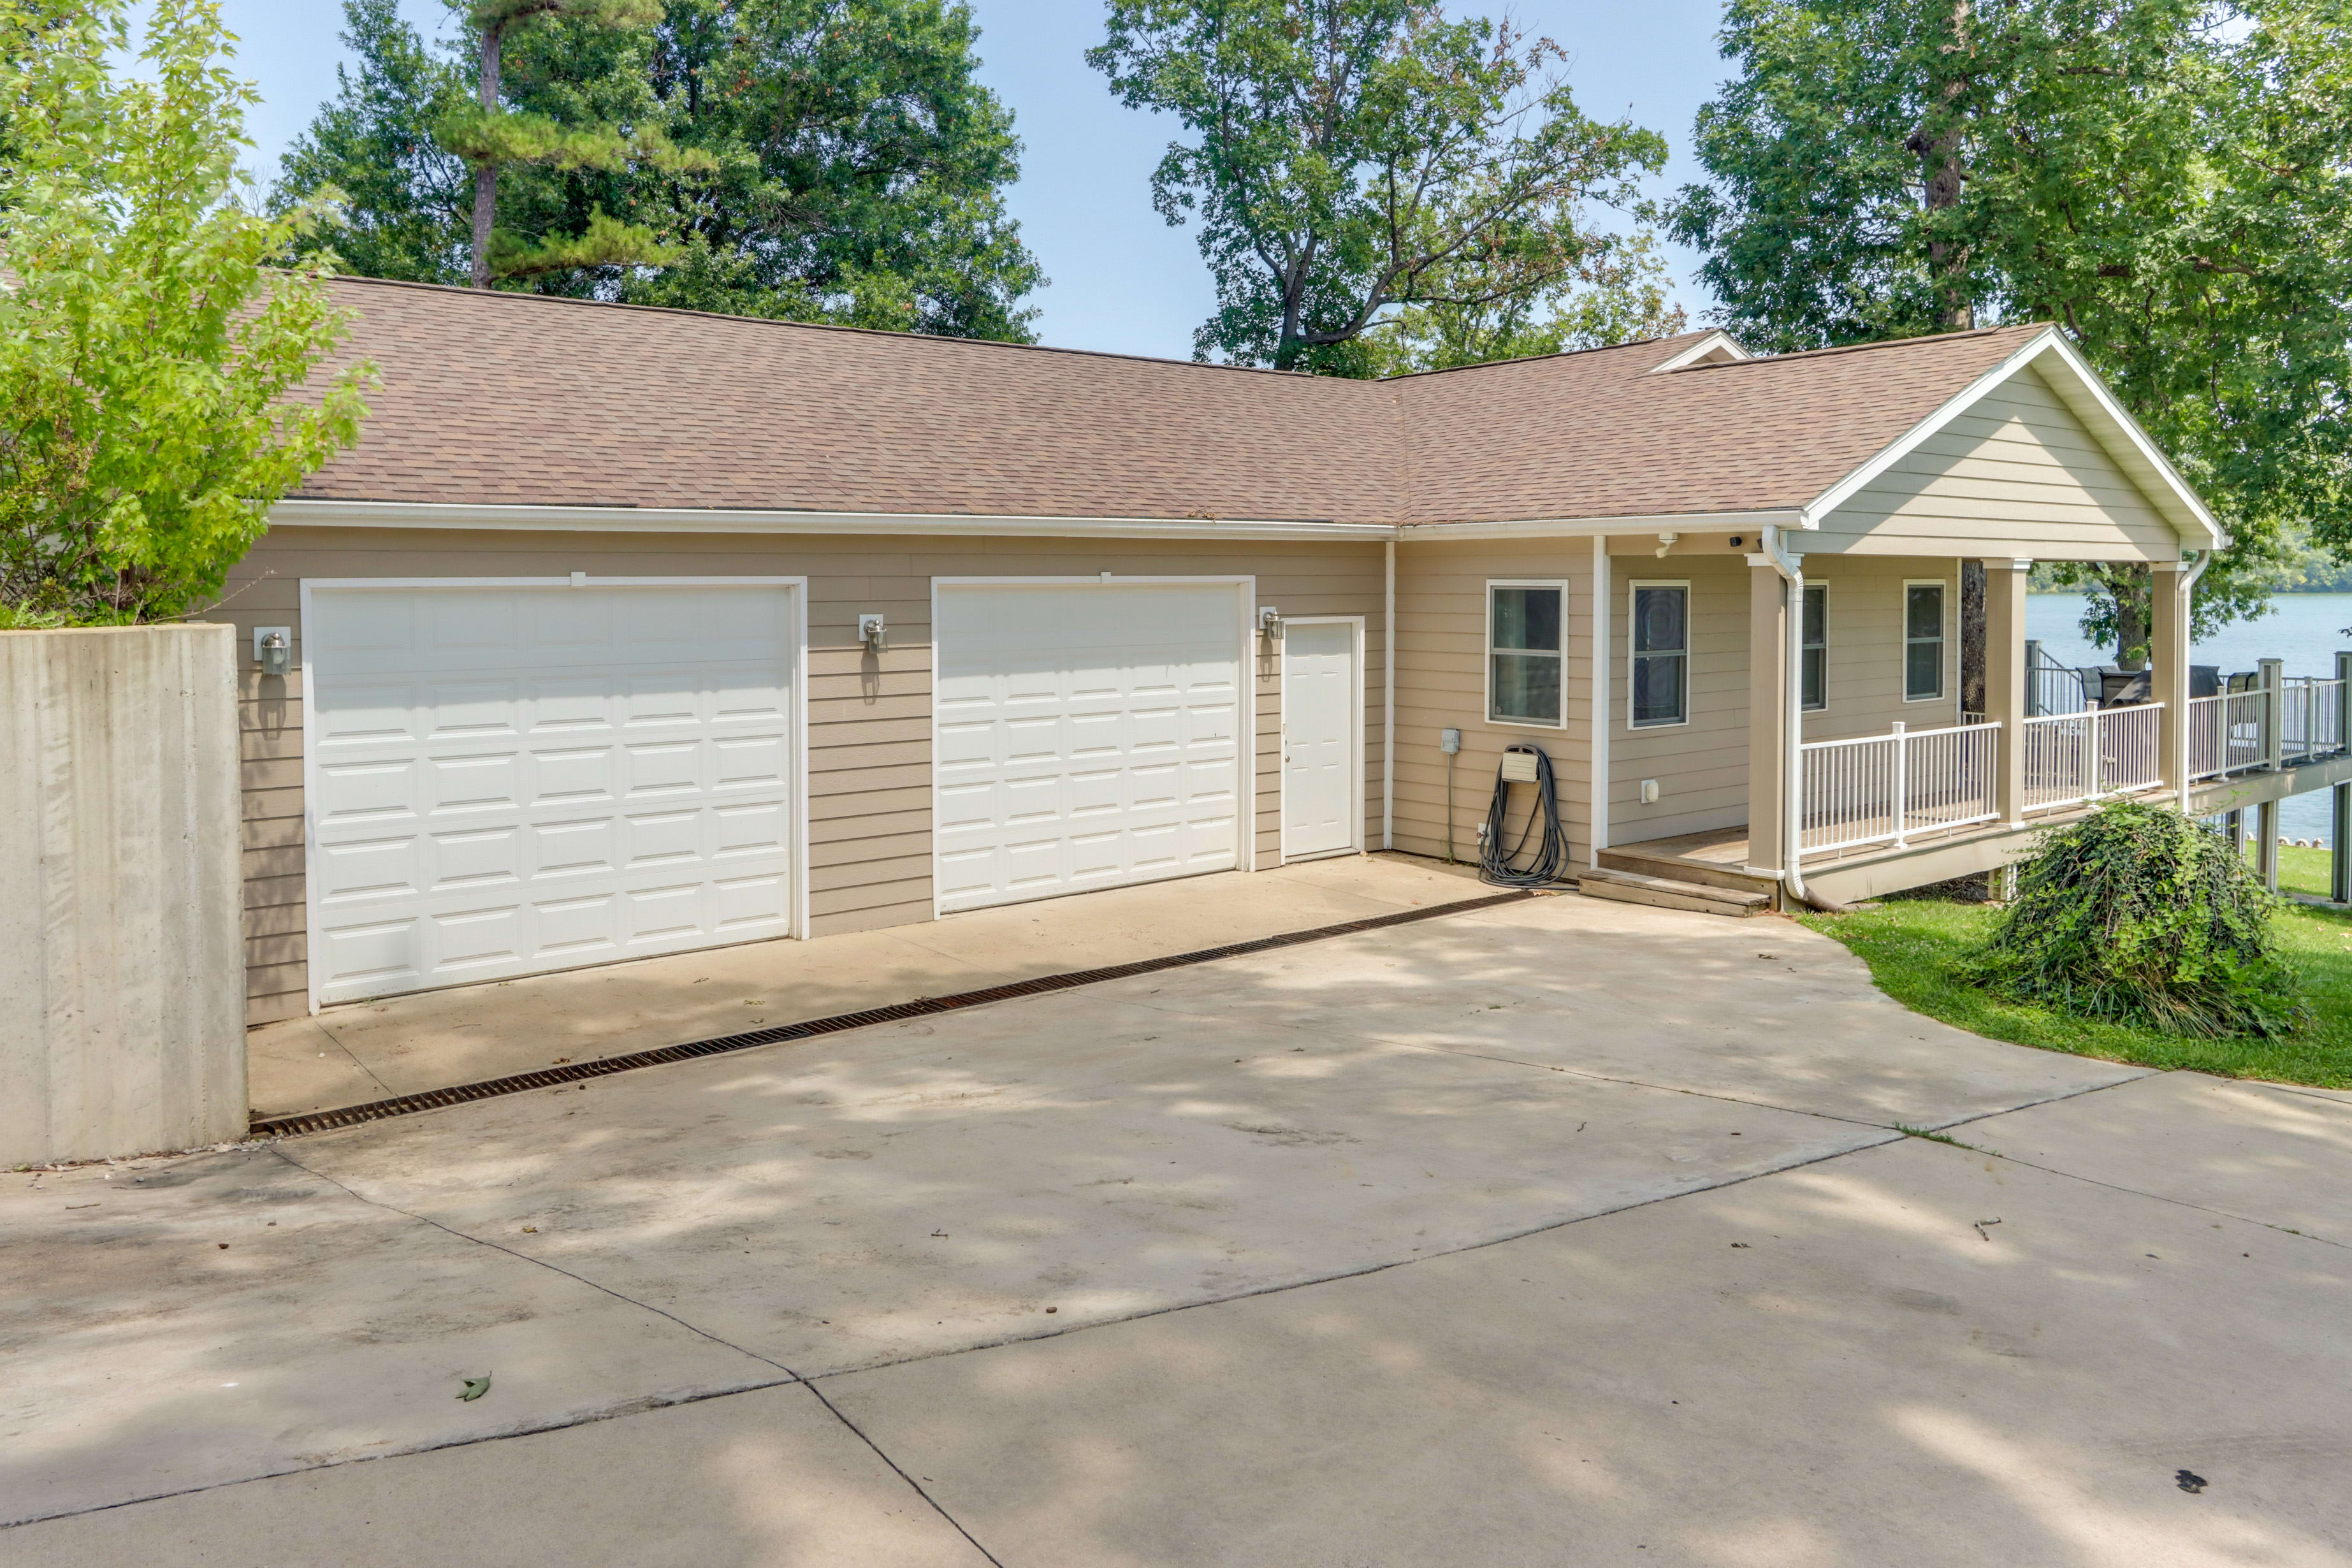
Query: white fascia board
x=2121 y=434
x=699 y=519
x=1588 y=527
x=1700 y=350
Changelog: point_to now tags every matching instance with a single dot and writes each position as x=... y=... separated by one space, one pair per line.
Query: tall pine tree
x=821 y=160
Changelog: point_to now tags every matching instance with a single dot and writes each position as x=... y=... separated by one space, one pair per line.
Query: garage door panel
x=640 y=803
x=1088 y=737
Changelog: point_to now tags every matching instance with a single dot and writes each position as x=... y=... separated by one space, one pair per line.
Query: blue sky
x=1122 y=280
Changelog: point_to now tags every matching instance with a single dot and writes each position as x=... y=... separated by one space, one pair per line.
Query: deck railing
x=1881 y=789
x=1887 y=789
x=2311 y=717
x=2071 y=758
x=2225 y=734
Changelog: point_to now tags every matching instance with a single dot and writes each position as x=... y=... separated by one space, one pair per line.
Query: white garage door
x=511 y=779
x=1089 y=735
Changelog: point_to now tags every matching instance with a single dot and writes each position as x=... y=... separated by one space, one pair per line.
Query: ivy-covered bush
x=2137 y=914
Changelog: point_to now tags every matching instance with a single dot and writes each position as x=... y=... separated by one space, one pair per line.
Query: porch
x=1876 y=814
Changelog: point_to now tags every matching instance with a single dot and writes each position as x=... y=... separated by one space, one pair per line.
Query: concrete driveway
x=1564 y=1232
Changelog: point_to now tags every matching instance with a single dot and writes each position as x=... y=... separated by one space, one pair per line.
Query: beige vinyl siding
x=1701 y=766
x=869 y=720
x=1866 y=646
x=2017 y=473
x=1442 y=684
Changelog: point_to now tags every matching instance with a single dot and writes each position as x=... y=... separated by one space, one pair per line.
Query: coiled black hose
x=1550 y=861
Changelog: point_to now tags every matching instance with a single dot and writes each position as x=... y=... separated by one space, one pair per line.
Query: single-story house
x=627 y=631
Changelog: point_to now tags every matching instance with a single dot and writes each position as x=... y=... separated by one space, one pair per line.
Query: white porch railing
x=2311 y=717
x=2225 y=734
x=1886 y=789
x=2071 y=758
x=1881 y=789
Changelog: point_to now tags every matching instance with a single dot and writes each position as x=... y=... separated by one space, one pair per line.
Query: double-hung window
x=1923 y=641
x=1661 y=672
x=1526 y=678
x=1817 y=647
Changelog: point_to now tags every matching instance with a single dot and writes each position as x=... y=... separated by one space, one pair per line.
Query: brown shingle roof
x=520 y=399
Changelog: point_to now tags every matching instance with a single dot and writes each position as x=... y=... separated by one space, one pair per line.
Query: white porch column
x=2167 y=665
x=2005 y=650
x=1767 y=713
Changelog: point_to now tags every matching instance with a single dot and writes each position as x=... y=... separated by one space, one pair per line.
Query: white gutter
x=1599 y=526
x=1388 y=697
x=1792 y=738
x=726 y=520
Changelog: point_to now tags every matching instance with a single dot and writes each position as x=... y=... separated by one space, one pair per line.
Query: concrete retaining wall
x=121 y=961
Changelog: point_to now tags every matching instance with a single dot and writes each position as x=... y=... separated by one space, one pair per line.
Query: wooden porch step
x=1668 y=867
x=1634 y=887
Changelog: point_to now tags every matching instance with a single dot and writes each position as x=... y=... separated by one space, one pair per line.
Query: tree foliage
x=1350 y=158
x=2136 y=914
x=149 y=355
x=822 y=160
x=2165 y=179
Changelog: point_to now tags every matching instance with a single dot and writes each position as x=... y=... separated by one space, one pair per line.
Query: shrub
x=2137 y=914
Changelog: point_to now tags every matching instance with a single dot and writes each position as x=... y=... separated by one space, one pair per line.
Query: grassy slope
x=1912 y=948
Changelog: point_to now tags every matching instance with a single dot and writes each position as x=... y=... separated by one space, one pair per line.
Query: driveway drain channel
x=489 y=1089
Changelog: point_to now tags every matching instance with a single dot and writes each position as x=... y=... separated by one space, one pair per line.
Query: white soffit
x=2078 y=386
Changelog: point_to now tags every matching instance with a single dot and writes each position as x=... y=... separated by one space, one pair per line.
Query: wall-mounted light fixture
x=273 y=649
x=873 y=633
x=1269 y=623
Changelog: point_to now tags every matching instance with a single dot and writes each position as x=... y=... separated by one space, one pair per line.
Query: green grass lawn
x=1915 y=946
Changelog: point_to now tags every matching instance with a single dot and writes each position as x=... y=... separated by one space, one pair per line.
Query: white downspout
x=1793 y=740
x=2188 y=743
x=1597 y=772
x=1388 y=700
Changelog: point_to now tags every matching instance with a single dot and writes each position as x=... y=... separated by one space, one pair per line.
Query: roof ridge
x=1865 y=348
x=1557 y=353
x=514 y=294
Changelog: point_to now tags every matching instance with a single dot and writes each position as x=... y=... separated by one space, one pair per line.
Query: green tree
x=1350 y=158
x=153 y=367
x=489 y=136
x=829 y=160
x=1616 y=293
x=2163 y=179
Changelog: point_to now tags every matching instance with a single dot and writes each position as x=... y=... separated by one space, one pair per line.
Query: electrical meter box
x=1519 y=767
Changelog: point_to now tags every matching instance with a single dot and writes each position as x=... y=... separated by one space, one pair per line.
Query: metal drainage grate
x=458 y=1094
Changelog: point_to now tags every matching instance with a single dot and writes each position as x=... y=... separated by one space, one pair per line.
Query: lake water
x=2304 y=629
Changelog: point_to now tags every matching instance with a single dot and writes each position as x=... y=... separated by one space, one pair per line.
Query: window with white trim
x=1526 y=659
x=1661 y=663
x=1923 y=641
x=1817 y=647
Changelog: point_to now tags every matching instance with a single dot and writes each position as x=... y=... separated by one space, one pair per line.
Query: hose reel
x=1523 y=764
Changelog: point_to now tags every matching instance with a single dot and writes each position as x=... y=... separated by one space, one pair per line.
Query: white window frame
x=1487 y=653
x=1943 y=636
x=1804 y=647
x=1633 y=598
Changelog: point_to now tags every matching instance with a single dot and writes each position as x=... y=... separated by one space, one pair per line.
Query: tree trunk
x=1972 y=637
x=486 y=174
x=2130 y=586
x=1943 y=171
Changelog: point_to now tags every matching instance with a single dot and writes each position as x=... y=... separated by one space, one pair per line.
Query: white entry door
x=1088 y=734
x=1322 y=706
x=512 y=778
